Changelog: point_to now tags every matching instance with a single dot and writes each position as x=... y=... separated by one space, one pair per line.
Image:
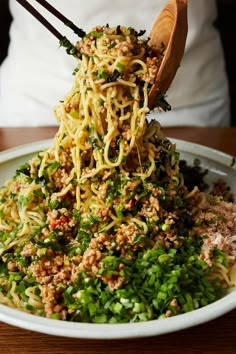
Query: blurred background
x=225 y=23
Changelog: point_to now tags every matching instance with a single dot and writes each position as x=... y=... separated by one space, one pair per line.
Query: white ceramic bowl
x=219 y=165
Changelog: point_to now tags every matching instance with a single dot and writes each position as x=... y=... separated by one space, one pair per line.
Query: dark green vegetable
x=161 y=102
x=25 y=169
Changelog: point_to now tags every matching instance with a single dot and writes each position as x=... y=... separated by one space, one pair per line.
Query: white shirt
x=37 y=74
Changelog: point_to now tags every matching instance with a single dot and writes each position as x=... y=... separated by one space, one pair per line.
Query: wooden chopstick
x=62 y=18
x=54 y=12
x=41 y=19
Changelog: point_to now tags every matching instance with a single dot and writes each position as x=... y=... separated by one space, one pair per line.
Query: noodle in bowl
x=218 y=164
x=103 y=226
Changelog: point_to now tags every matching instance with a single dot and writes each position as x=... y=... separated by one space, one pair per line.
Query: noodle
x=101 y=227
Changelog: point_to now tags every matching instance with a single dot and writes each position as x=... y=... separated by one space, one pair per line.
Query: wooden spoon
x=169 y=32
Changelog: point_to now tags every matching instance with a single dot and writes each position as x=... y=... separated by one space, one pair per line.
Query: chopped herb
x=25 y=169
x=120 y=66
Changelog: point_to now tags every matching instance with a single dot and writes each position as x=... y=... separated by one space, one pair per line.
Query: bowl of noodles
x=112 y=230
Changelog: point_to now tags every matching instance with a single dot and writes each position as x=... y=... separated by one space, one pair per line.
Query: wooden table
x=215 y=337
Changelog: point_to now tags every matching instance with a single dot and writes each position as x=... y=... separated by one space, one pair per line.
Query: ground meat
x=125 y=234
x=85 y=46
x=71 y=106
x=91 y=257
x=17 y=186
x=28 y=250
x=129 y=236
x=65 y=158
x=217 y=223
x=126 y=132
x=60 y=219
x=60 y=177
x=51 y=270
x=102 y=191
x=150 y=208
x=50 y=295
x=103 y=213
x=153 y=65
x=130 y=186
x=12 y=266
x=124 y=48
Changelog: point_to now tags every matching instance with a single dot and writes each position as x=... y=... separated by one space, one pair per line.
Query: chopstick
x=48 y=25
x=62 y=18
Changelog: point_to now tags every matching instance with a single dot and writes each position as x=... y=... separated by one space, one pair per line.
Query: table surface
x=216 y=336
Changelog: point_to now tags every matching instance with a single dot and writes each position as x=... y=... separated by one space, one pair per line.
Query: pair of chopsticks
x=63 y=40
